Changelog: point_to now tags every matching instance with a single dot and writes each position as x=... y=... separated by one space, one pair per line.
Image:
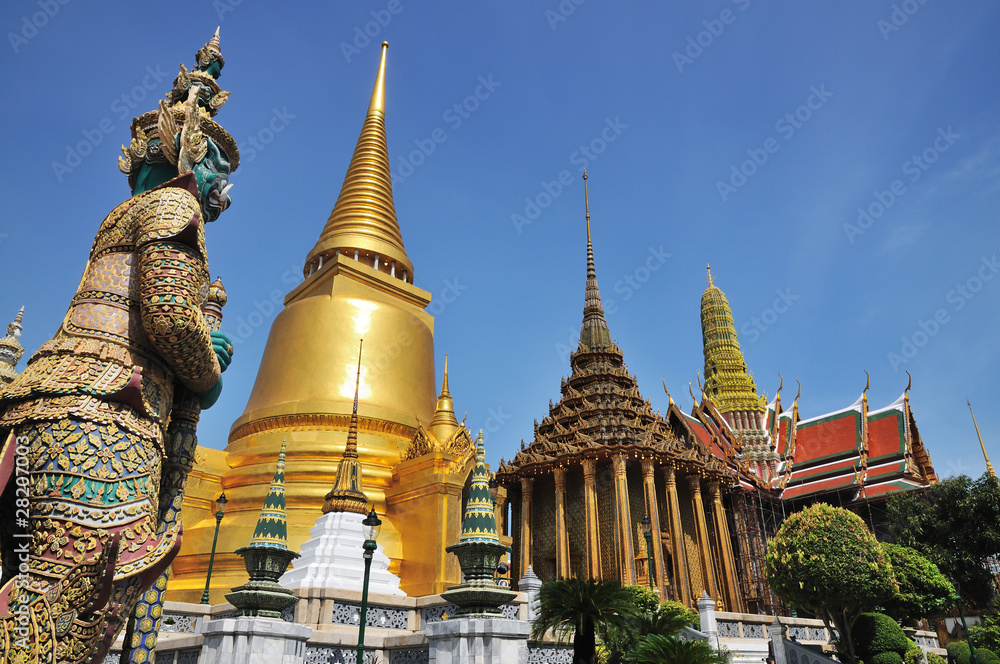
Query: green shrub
x=888 y=657
x=935 y=659
x=876 y=633
x=959 y=651
x=987 y=634
x=912 y=654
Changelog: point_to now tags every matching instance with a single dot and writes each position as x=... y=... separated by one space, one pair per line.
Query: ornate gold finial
x=909 y=384
x=868 y=384
x=377 y=103
x=444 y=423
x=363 y=222
x=667 y=392
x=586 y=202
x=347 y=494
x=989 y=466
x=727 y=379
x=797 y=394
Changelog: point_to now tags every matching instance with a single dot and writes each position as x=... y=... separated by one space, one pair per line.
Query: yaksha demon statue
x=98 y=430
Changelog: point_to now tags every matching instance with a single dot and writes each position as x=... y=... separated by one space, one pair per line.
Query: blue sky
x=736 y=132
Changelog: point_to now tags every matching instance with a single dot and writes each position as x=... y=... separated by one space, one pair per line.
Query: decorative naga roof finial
x=667 y=392
x=989 y=466
x=346 y=494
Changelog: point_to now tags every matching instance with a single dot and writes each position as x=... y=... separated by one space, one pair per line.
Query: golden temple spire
x=346 y=495
x=594 y=333
x=710 y=282
x=363 y=223
x=989 y=466
x=444 y=423
x=727 y=382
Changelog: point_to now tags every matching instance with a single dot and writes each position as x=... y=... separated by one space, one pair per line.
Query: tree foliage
x=956 y=525
x=987 y=633
x=876 y=633
x=825 y=559
x=959 y=651
x=923 y=591
x=586 y=609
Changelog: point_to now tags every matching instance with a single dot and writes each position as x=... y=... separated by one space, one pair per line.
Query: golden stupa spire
x=444 y=423
x=989 y=466
x=363 y=223
x=594 y=333
x=346 y=495
x=710 y=281
x=727 y=382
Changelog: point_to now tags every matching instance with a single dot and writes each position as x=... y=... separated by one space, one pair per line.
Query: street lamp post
x=647 y=531
x=220 y=511
x=371 y=526
x=961 y=613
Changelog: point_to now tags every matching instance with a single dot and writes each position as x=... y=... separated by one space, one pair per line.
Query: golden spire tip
x=444 y=380
x=708 y=266
x=377 y=104
x=586 y=202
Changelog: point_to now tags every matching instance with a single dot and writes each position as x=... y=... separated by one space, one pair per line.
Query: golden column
x=590 y=506
x=562 y=536
x=694 y=483
x=653 y=509
x=624 y=522
x=681 y=589
x=527 y=486
x=734 y=602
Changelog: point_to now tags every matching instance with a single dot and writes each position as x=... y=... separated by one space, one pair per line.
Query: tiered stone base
x=462 y=640
x=332 y=558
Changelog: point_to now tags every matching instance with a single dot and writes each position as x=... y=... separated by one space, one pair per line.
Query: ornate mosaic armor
x=92 y=409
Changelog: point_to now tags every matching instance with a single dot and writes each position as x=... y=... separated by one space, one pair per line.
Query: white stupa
x=332 y=558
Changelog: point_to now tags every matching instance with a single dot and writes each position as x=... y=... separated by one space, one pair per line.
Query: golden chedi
x=358 y=284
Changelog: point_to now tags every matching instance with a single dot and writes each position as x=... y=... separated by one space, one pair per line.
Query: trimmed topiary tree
x=825 y=559
x=888 y=657
x=877 y=633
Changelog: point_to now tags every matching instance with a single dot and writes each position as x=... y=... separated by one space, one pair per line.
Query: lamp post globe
x=220 y=511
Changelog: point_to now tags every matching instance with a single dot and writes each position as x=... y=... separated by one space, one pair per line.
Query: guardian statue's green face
x=212 y=174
